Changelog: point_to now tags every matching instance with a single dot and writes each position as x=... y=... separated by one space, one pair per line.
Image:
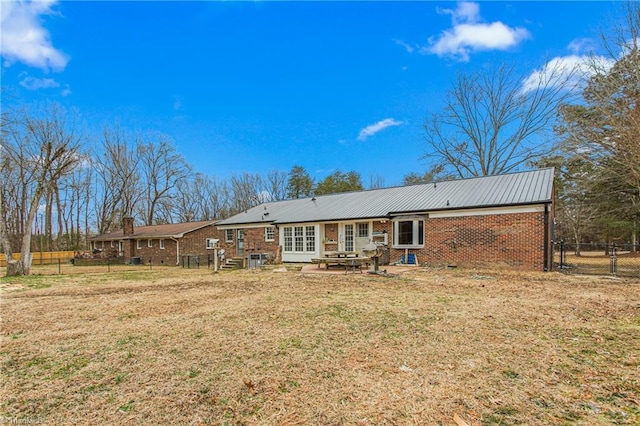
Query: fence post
x=613 y=266
x=561 y=254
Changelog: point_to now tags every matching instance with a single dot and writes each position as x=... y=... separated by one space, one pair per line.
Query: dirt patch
x=263 y=347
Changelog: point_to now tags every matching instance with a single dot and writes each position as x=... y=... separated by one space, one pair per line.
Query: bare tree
x=494 y=120
x=246 y=190
x=276 y=185
x=74 y=202
x=45 y=149
x=162 y=168
x=117 y=179
x=376 y=181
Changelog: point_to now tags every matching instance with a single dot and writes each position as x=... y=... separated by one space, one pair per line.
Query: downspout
x=546 y=238
x=177 y=250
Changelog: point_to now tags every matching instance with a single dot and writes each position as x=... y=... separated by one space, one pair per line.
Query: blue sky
x=257 y=86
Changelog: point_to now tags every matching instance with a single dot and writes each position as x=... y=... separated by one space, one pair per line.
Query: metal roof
x=173 y=230
x=530 y=187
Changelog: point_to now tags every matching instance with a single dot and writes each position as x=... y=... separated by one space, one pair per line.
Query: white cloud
x=25 y=40
x=581 y=45
x=569 y=71
x=409 y=48
x=32 y=83
x=469 y=34
x=466 y=12
x=372 y=129
x=177 y=103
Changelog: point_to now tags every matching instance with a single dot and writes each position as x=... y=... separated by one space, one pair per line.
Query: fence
x=598 y=259
x=195 y=261
x=42 y=258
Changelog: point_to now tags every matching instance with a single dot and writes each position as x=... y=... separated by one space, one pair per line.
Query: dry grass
x=174 y=346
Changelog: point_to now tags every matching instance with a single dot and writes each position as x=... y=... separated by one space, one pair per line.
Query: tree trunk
x=19 y=267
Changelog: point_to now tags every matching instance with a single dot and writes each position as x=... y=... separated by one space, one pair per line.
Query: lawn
x=175 y=346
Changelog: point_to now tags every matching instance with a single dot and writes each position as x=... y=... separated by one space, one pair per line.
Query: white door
x=355 y=236
x=348 y=240
x=362 y=235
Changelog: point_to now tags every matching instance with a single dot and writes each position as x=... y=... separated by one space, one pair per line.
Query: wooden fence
x=42 y=258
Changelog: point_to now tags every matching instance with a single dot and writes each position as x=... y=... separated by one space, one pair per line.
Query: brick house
x=158 y=244
x=506 y=219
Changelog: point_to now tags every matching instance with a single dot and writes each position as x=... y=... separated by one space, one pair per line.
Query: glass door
x=348 y=237
x=240 y=242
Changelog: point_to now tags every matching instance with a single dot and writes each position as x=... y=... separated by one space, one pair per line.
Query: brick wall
x=516 y=240
x=193 y=243
x=155 y=254
x=254 y=242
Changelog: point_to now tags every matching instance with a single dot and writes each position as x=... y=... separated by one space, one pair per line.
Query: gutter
x=547 y=267
x=177 y=249
x=452 y=207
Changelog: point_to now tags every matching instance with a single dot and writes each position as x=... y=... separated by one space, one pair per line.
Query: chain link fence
x=615 y=259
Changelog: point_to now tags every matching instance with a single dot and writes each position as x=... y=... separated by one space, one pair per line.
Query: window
x=408 y=233
x=310 y=232
x=298 y=233
x=288 y=239
x=139 y=244
x=112 y=244
x=299 y=239
x=228 y=235
x=363 y=230
x=149 y=243
x=269 y=233
x=161 y=244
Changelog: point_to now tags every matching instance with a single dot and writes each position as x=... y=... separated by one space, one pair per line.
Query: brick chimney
x=127 y=225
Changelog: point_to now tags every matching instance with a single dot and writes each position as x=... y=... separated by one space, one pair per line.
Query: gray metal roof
x=531 y=187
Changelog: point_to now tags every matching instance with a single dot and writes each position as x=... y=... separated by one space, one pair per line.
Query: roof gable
x=531 y=187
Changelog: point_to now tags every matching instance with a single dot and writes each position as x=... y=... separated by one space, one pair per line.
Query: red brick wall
x=154 y=254
x=193 y=243
x=254 y=242
x=516 y=240
x=229 y=247
x=330 y=234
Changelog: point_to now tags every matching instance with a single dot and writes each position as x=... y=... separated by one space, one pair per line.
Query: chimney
x=127 y=225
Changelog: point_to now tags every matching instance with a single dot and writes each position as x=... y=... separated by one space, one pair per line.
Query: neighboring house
x=158 y=244
x=506 y=219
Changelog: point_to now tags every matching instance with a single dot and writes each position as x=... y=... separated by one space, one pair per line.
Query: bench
x=352 y=262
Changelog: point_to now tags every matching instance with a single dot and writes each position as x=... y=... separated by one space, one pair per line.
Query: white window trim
x=149 y=243
x=306 y=238
x=415 y=232
x=138 y=244
x=211 y=243
x=161 y=244
x=228 y=232
x=273 y=233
